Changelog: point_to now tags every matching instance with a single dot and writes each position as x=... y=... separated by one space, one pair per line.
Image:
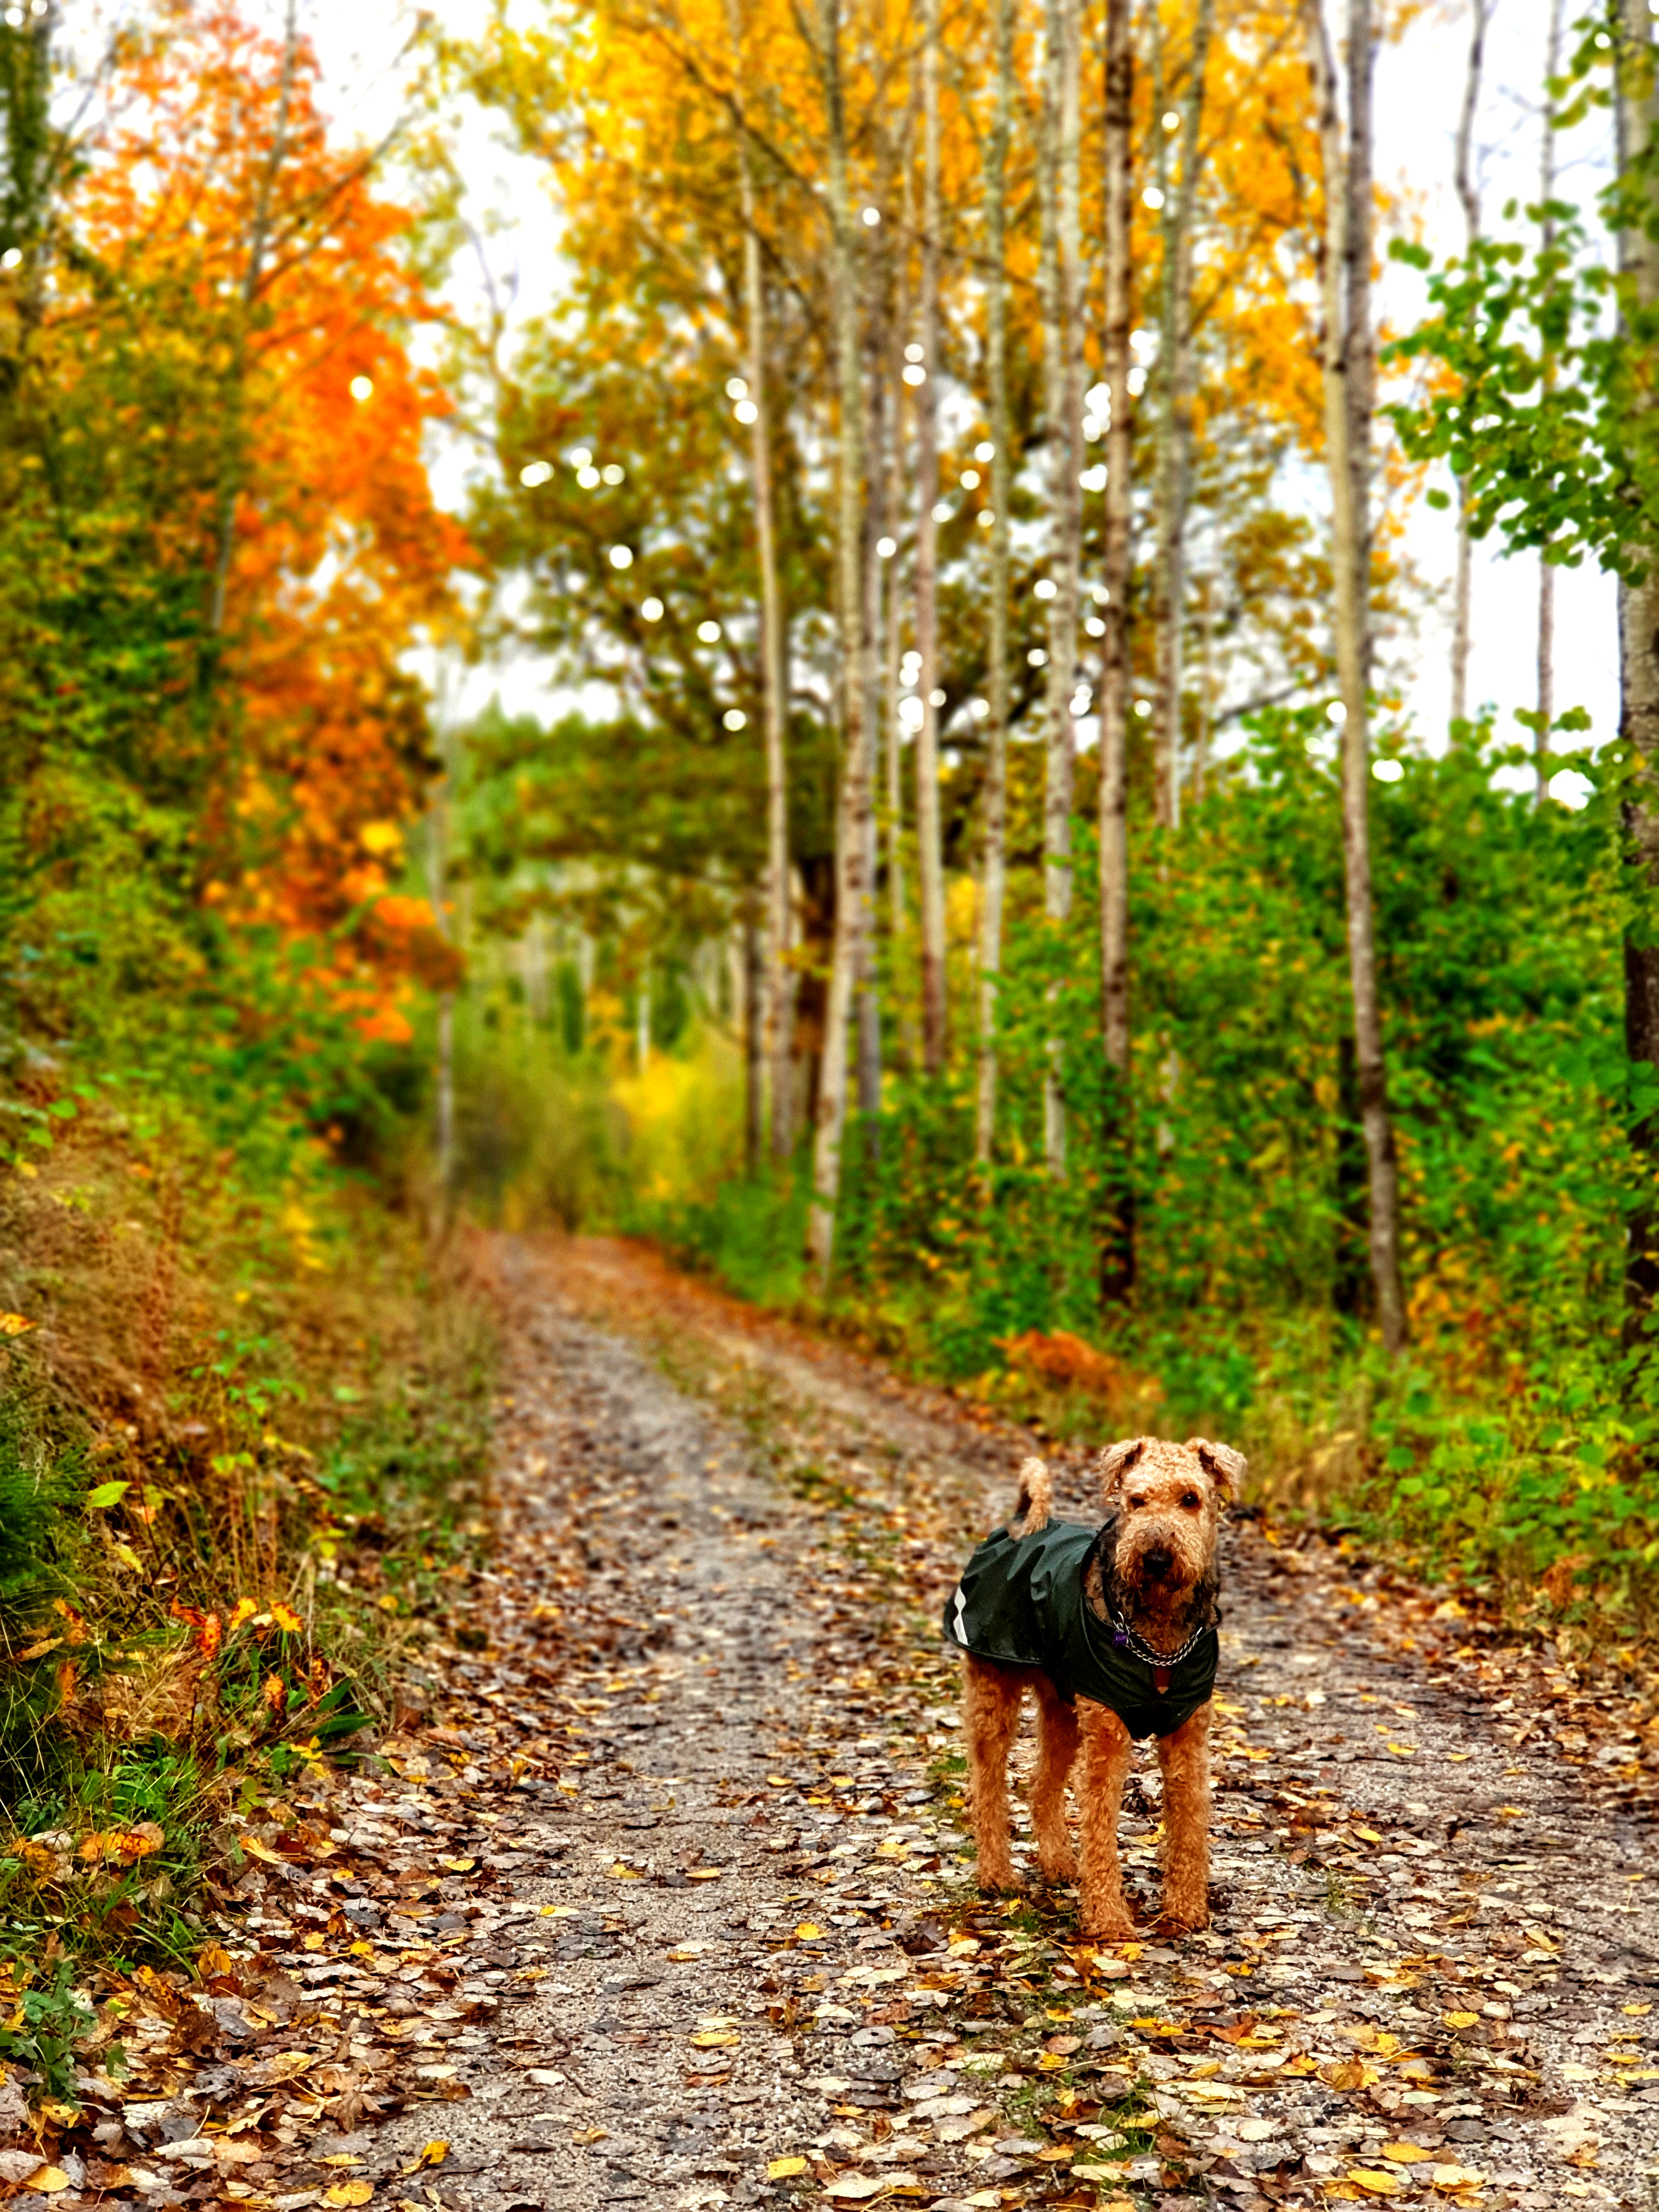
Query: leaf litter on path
x=660 y=1888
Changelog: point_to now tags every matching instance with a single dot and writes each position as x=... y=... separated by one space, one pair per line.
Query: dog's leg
x=1185 y=1758
x=1057 y=1737
x=990 y=1716
x=1105 y=1767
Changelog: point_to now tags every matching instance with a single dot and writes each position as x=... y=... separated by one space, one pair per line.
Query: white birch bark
x=1469 y=197
x=995 y=792
x=775 y=1047
x=1063 y=334
x=930 y=862
x=1117 y=1254
x=1544 y=706
x=1348 y=373
x=852 y=807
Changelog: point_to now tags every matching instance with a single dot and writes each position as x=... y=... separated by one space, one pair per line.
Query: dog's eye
x=1191 y=1501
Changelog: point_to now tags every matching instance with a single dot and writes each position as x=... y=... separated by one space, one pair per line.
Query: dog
x=1114 y=1630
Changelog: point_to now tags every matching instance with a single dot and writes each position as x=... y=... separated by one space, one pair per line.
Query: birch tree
x=1347 y=364
x=1176 y=377
x=1544 y=706
x=773 y=692
x=1469 y=194
x=1638 y=632
x=930 y=865
x=854 y=797
x=1062 y=346
x=994 y=796
x=1117 y=1261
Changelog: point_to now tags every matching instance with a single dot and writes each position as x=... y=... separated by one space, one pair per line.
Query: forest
x=975 y=880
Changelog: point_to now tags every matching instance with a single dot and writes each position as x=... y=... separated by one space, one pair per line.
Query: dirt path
x=664 y=1901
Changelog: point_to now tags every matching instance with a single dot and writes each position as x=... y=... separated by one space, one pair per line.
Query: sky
x=1419 y=89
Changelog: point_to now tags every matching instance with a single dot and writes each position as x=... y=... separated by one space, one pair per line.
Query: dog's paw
x=998 y=1881
x=1108 y=1927
x=1185 y=1917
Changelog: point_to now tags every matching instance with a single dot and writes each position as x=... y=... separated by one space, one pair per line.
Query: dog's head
x=1165 y=1501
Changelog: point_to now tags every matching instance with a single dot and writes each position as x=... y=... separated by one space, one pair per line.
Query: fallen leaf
x=1375 y=2182
x=458 y=1866
x=1462 y=2019
x=14 y=1325
x=1404 y=2153
x=704 y=1873
x=808 y=1931
x=779 y=2169
x=286 y=1618
x=621 y=1873
x=45 y=2180
x=854 y=2188
x=714 y=2038
x=349 y=2192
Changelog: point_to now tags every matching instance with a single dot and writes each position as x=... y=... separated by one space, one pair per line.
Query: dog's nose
x=1159 y=1560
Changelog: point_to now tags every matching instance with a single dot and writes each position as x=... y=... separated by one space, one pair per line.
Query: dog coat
x=1020 y=1600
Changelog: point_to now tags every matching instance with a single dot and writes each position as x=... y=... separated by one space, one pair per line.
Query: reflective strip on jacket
x=1020 y=1600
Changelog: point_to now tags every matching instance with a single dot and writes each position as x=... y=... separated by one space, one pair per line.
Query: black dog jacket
x=1020 y=1600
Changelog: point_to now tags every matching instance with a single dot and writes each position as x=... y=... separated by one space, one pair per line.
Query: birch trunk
x=853 y=806
x=1177 y=381
x=1063 y=334
x=1117 y=1248
x=1545 y=708
x=1469 y=196
x=1348 y=373
x=1638 y=680
x=776 y=1038
x=754 y=1043
x=930 y=865
x=875 y=525
x=994 y=796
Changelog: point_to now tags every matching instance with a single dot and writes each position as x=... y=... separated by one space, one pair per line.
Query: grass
x=242 y=1442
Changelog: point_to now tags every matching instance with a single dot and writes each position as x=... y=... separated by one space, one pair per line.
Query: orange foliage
x=221 y=191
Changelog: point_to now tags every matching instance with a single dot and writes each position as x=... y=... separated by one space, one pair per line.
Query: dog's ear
x=1114 y=1463
x=1225 y=1468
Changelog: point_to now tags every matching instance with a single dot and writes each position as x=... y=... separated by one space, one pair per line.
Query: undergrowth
x=242 y=1434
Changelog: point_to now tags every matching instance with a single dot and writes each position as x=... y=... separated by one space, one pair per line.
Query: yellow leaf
x=779 y=2169
x=286 y=1618
x=256 y=1850
x=458 y=1866
x=621 y=1873
x=808 y=1931
x=14 y=1325
x=436 y=2152
x=45 y=2180
x=212 y=1959
x=714 y=2038
x=349 y=2192
x=244 y=1609
x=703 y=1874
x=1375 y=2182
x=1368 y=1835
x=590 y=2136
x=1462 y=2019
x=40 y=1650
x=1404 y=2153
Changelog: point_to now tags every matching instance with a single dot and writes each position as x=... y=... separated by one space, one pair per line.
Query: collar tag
x=1161 y=1681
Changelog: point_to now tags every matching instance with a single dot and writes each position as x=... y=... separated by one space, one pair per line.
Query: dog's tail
x=1036 y=1498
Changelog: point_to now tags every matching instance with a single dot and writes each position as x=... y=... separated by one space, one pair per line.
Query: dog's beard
x=1163 y=1609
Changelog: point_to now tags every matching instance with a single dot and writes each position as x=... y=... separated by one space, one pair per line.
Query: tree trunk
x=1117 y=1242
x=1469 y=194
x=1062 y=332
x=995 y=792
x=1545 y=709
x=875 y=525
x=929 y=854
x=1176 y=377
x=1349 y=374
x=852 y=807
x=754 y=1041
x=1638 y=685
x=773 y=697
